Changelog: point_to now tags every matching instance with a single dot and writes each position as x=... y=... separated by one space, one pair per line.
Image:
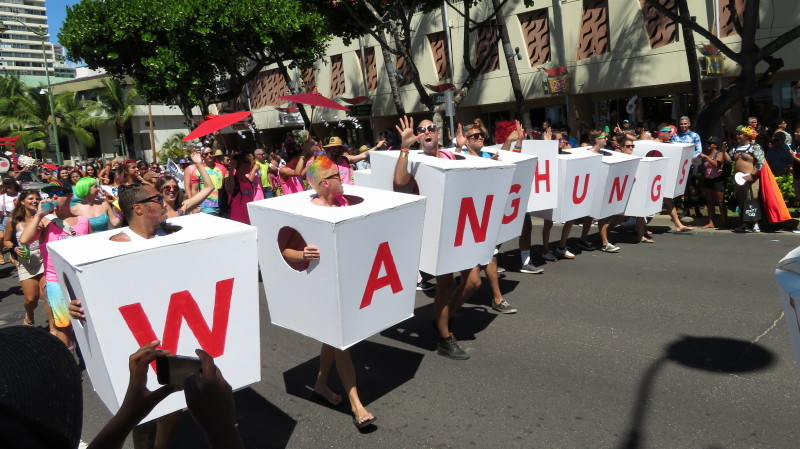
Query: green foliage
x=174 y=148
x=177 y=51
x=786 y=186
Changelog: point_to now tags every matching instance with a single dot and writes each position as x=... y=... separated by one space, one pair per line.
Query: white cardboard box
x=577 y=175
x=363 y=178
x=787 y=273
x=460 y=232
x=365 y=280
x=545 y=182
x=519 y=194
x=615 y=183
x=680 y=160
x=196 y=288
x=647 y=195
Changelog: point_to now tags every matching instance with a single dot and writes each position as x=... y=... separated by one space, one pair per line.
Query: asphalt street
x=677 y=344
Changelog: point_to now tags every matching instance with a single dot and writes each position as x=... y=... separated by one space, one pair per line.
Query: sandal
x=646 y=240
x=363 y=421
x=685 y=229
x=27 y=322
x=708 y=226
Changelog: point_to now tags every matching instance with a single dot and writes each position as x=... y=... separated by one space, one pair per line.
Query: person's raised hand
x=461 y=139
x=208 y=395
x=406 y=130
x=196 y=158
x=139 y=400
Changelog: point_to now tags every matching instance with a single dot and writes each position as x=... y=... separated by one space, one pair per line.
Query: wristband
x=404 y=150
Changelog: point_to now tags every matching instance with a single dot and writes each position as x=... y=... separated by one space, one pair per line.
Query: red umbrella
x=48 y=166
x=215 y=124
x=314 y=99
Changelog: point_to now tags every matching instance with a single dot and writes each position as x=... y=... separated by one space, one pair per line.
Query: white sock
x=526 y=256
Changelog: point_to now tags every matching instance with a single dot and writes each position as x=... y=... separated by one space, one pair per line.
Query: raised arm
x=208 y=186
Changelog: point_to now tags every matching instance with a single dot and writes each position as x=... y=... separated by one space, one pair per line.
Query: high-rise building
x=20 y=46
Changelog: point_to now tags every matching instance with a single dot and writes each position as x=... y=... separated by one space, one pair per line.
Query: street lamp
x=42 y=33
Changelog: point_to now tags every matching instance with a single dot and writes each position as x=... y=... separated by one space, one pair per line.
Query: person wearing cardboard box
x=324 y=176
x=665 y=133
x=448 y=298
x=59 y=223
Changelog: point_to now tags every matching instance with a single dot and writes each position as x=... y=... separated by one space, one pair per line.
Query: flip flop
x=646 y=240
x=361 y=424
x=326 y=400
x=708 y=226
x=685 y=229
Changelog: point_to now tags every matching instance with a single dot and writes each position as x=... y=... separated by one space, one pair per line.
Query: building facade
x=581 y=63
x=21 y=48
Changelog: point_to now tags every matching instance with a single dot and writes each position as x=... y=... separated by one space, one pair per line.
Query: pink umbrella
x=314 y=99
x=216 y=124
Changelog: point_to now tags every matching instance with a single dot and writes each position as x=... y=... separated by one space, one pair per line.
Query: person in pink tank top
x=291 y=174
x=59 y=223
x=324 y=176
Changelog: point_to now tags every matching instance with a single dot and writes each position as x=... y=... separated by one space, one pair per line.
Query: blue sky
x=56 y=11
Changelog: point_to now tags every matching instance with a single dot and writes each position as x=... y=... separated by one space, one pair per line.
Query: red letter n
x=383 y=258
x=467 y=211
x=619 y=190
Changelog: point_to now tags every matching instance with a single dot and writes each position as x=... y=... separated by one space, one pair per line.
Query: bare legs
x=714 y=199
x=669 y=205
x=31 y=293
x=329 y=355
x=448 y=300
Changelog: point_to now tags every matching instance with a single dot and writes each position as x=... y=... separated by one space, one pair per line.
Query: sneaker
x=424 y=286
x=741 y=229
x=563 y=253
x=501 y=270
x=531 y=268
x=755 y=228
x=609 y=248
x=449 y=347
x=550 y=256
x=586 y=245
x=504 y=307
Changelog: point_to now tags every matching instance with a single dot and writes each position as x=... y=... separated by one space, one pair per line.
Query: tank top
x=54 y=233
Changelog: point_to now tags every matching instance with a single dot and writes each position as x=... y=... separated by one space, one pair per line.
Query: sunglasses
x=480 y=135
x=169 y=188
x=429 y=128
x=59 y=192
x=334 y=176
x=157 y=198
x=629 y=146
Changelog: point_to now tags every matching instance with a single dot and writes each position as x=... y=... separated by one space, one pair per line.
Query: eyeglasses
x=334 y=176
x=157 y=198
x=430 y=128
x=479 y=135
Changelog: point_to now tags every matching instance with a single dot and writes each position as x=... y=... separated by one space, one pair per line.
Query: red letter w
x=182 y=306
x=467 y=211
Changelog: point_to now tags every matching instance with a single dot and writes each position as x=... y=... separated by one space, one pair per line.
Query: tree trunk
x=694 y=64
x=516 y=87
x=390 y=70
x=288 y=80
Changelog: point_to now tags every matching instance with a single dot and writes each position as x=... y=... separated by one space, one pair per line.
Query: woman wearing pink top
x=291 y=174
x=243 y=186
x=59 y=223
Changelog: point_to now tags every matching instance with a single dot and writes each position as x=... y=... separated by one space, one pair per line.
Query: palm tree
x=117 y=103
x=31 y=119
x=174 y=148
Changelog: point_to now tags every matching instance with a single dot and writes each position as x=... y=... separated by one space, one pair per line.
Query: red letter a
x=466 y=211
x=182 y=306
x=383 y=258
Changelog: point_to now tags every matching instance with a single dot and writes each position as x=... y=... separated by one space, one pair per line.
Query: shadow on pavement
x=713 y=354
x=419 y=331
x=260 y=424
x=379 y=370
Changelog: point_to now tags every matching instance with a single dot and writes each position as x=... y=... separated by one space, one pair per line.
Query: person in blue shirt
x=685 y=135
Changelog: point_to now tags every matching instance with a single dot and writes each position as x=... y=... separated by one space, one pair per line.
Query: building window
x=593 y=39
x=371 y=67
x=660 y=29
x=439 y=51
x=536 y=30
x=726 y=16
x=337 y=76
x=487 y=57
x=265 y=89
